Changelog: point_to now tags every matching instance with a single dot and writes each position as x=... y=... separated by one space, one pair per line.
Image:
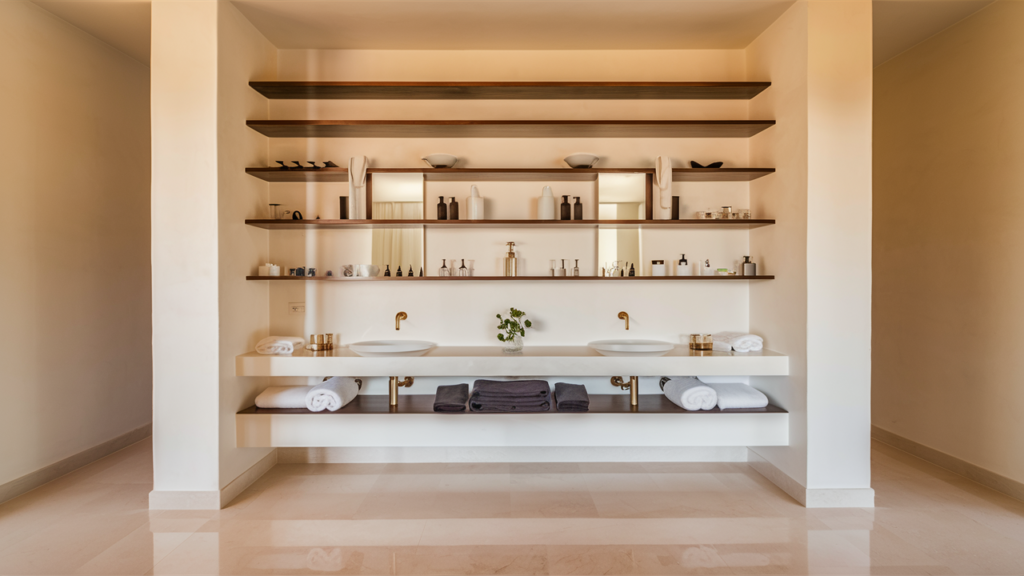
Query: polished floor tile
x=519 y=518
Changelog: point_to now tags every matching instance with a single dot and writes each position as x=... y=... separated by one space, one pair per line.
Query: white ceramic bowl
x=631 y=347
x=440 y=160
x=379 y=348
x=581 y=160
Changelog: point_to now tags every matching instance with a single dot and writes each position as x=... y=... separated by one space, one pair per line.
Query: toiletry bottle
x=387 y=270
x=442 y=210
x=749 y=268
x=453 y=209
x=511 y=262
x=566 y=213
x=463 y=271
x=546 y=205
x=476 y=204
x=706 y=270
x=398 y=273
x=421 y=271
x=444 y=271
x=560 y=271
x=577 y=210
x=576 y=268
x=683 y=267
x=675 y=208
x=657 y=267
x=632 y=272
x=343 y=208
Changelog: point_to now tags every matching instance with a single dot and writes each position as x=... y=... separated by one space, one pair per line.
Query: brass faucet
x=624 y=316
x=393 y=387
x=633 y=387
x=398 y=318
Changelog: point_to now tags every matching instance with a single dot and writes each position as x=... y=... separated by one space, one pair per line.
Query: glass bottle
x=387 y=270
x=410 y=271
x=463 y=271
x=398 y=274
x=576 y=268
x=442 y=209
x=444 y=269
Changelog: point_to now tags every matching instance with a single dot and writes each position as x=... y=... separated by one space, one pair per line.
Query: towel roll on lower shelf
x=331 y=395
x=690 y=393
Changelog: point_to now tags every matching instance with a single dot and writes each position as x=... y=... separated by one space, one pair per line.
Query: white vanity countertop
x=533 y=361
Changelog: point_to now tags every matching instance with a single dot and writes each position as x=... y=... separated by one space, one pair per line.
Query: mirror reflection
x=398 y=197
x=620 y=197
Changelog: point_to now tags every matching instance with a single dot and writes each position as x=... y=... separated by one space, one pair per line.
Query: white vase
x=476 y=204
x=546 y=205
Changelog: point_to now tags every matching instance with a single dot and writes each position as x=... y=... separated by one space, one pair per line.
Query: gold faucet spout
x=624 y=316
x=398 y=319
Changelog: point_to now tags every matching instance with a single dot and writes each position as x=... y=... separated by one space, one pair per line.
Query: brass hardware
x=633 y=386
x=398 y=318
x=624 y=316
x=393 y=385
x=320 y=342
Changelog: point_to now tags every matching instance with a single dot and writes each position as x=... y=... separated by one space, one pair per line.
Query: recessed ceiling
x=124 y=24
x=902 y=24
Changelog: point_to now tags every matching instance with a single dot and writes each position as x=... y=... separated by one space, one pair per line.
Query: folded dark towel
x=512 y=389
x=475 y=405
x=451 y=398
x=571 y=397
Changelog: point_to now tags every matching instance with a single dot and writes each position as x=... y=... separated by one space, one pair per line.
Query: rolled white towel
x=690 y=393
x=738 y=341
x=738 y=396
x=280 y=345
x=332 y=394
x=283 y=397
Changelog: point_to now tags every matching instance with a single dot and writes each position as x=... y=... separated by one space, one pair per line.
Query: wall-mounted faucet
x=633 y=387
x=624 y=316
x=393 y=385
x=398 y=319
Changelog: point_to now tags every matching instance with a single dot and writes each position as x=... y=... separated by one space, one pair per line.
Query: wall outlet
x=296 y=308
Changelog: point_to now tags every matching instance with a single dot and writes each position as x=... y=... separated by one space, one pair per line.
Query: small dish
x=440 y=160
x=581 y=160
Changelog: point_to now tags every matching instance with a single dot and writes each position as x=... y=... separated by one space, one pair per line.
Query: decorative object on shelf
x=421 y=271
x=442 y=209
x=298 y=165
x=283 y=165
x=269 y=269
x=632 y=271
x=749 y=268
x=657 y=267
x=675 y=208
x=463 y=271
x=291 y=271
x=398 y=272
x=311 y=271
x=313 y=164
x=330 y=273
x=511 y=262
x=705 y=215
x=410 y=271
x=577 y=209
x=576 y=268
x=276 y=212
x=360 y=271
x=387 y=270
x=546 y=205
x=440 y=160
x=476 y=204
x=330 y=164
x=300 y=271
x=296 y=215
x=706 y=268
x=701 y=342
x=726 y=213
x=513 y=330
x=722 y=272
x=581 y=160
x=683 y=267
x=320 y=342
x=712 y=165
x=357 y=185
x=566 y=209
x=744 y=214
x=561 y=271
x=663 y=184
x=444 y=271
x=453 y=209
x=342 y=207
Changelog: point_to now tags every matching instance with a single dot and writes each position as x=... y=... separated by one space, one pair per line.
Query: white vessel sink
x=374 y=348
x=632 y=347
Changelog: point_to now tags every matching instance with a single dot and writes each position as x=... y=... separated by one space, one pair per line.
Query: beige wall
x=75 y=354
x=949 y=139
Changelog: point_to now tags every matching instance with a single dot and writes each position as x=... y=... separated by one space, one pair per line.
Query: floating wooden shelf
x=509 y=279
x=509 y=128
x=468 y=224
x=599 y=404
x=511 y=174
x=510 y=90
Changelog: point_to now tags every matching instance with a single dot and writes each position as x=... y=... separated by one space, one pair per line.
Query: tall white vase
x=546 y=205
x=476 y=204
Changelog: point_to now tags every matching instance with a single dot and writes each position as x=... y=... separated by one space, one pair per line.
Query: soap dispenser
x=683 y=267
x=476 y=204
x=749 y=268
x=546 y=205
x=561 y=271
x=577 y=210
x=387 y=270
x=511 y=262
x=566 y=213
x=632 y=272
x=442 y=209
x=576 y=268
x=453 y=209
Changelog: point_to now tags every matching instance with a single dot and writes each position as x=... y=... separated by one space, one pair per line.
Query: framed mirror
x=621 y=197
x=398 y=197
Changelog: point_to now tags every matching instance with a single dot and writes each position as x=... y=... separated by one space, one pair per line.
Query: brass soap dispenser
x=511 y=262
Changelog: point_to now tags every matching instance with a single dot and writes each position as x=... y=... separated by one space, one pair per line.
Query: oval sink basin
x=632 y=347
x=373 y=348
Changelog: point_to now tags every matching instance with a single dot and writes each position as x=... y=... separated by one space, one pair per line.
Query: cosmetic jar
x=701 y=342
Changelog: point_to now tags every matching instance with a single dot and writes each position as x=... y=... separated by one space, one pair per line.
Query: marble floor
x=512 y=519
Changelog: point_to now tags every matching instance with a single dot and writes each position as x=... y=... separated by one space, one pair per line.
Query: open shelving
x=275 y=174
x=509 y=278
x=470 y=224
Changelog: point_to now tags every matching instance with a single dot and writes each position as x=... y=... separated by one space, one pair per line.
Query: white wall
x=949 y=130
x=75 y=233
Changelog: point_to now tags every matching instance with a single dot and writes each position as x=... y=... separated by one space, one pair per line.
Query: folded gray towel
x=451 y=398
x=512 y=389
x=571 y=397
x=475 y=405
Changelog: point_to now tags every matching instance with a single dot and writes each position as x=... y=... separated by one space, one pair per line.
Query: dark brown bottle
x=387 y=270
x=453 y=209
x=566 y=208
x=577 y=210
x=442 y=209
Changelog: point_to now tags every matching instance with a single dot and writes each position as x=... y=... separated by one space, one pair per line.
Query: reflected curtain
x=398 y=246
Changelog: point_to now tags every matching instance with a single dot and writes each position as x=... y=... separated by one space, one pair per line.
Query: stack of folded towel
x=516 y=396
x=571 y=397
x=738 y=341
x=451 y=398
x=690 y=393
x=280 y=345
x=330 y=395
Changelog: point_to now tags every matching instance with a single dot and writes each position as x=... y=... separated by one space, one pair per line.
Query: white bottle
x=476 y=204
x=546 y=205
x=706 y=269
x=683 y=267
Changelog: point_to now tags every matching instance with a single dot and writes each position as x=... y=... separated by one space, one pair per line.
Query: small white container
x=275 y=270
x=264 y=270
x=546 y=205
x=476 y=204
x=657 y=267
x=683 y=267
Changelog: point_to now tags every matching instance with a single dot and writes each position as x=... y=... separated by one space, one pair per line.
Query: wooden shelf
x=470 y=224
x=510 y=90
x=511 y=174
x=599 y=404
x=511 y=279
x=509 y=128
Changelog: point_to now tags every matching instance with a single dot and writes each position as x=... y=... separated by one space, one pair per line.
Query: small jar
x=701 y=342
x=657 y=267
x=745 y=214
x=726 y=213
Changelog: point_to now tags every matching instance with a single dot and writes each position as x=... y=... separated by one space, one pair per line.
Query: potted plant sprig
x=513 y=329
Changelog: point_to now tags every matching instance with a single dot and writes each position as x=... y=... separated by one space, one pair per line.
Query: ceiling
x=514 y=24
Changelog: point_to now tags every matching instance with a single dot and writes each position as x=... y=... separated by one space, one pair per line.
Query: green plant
x=515 y=325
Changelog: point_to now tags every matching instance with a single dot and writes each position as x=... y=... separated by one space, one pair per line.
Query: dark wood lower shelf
x=509 y=279
x=275 y=174
x=460 y=224
x=599 y=404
